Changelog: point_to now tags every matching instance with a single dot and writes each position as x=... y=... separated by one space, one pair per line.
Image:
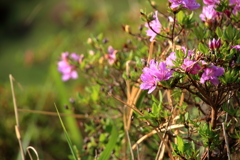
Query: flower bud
x=227 y=13
x=89 y=41
x=127 y=29
x=214 y=44
x=153 y=3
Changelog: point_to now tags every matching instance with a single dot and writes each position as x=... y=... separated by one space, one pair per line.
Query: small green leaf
x=203 y=48
x=180 y=144
x=154 y=99
x=219 y=32
x=160 y=96
x=180 y=16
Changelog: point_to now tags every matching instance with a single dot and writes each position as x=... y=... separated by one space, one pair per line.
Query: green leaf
x=160 y=96
x=111 y=144
x=219 y=32
x=154 y=99
x=155 y=110
x=67 y=136
x=199 y=32
x=186 y=116
x=180 y=16
x=203 y=48
x=141 y=98
x=180 y=144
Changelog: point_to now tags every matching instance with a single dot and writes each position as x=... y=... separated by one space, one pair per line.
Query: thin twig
x=226 y=141
x=138 y=157
x=55 y=114
x=154 y=7
x=172 y=38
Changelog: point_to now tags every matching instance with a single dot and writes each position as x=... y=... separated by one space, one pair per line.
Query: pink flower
x=170 y=58
x=75 y=56
x=155 y=25
x=208 y=13
x=211 y=2
x=190 y=66
x=190 y=52
x=162 y=73
x=91 y=52
x=189 y=4
x=237 y=47
x=154 y=73
x=149 y=82
x=68 y=70
x=236 y=5
x=111 y=56
x=211 y=74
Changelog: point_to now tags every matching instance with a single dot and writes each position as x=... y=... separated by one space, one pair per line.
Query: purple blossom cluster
x=236 y=5
x=188 y=4
x=67 y=65
x=209 y=14
x=161 y=71
x=154 y=73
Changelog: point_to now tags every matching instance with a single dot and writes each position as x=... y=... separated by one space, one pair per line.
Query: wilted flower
x=68 y=70
x=111 y=56
x=211 y=74
x=189 y=4
x=208 y=14
x=214 y=44
x=155 y=25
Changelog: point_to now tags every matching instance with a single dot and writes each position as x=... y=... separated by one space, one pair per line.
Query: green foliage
x=186 y=150
x=187 y=21
x=203 y=48
x=209 y=137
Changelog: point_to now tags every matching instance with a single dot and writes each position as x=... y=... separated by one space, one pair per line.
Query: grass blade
x=111 y=144
x=67 y=136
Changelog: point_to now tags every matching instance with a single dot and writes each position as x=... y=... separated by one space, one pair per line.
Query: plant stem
x=213 y=117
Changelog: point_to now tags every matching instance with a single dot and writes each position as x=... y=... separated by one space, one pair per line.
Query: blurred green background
x=33 y=34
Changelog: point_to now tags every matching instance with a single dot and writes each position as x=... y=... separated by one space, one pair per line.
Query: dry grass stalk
x=176 y=126
x=17 y=126
x=34 y=150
